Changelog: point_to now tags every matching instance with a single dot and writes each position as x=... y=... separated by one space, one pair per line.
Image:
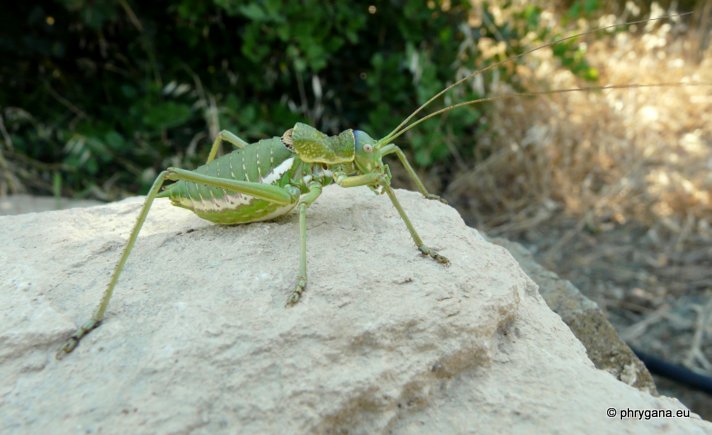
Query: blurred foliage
x=103 y=94
x=582 y=8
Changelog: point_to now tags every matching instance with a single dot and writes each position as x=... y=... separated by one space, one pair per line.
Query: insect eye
x=368 y=148
x=287 y=139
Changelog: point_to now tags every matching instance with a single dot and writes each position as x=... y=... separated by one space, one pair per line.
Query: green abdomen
x=267 y=161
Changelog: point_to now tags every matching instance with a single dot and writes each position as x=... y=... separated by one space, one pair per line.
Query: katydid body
x=268 y=179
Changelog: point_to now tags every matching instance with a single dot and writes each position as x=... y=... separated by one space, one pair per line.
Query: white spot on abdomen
x=277 y=172
x=233 y=200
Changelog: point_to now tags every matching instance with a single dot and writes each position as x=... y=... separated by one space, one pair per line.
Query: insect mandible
x=266 y=179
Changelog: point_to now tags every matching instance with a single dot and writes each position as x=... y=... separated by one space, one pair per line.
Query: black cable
x=675 y=372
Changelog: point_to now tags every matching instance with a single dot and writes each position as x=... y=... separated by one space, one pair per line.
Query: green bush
x=103 y=94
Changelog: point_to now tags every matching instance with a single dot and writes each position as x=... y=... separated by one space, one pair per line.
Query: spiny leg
x=395 y=149
x=258 y=190
x=226 y=136
x=414 y=234
x=383 y=179
x=304 y=203
x=302 y=277
x=98 y=315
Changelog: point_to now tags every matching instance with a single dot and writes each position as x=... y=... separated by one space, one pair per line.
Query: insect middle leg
x=304 y=203
x=258 y=190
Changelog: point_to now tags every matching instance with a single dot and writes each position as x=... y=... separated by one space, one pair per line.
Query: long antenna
x=395 y=132
x=534 y=94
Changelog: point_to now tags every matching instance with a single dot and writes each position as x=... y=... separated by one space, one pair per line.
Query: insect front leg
x=228 y=137
x=414 y=234
x=304 y=203
x=267 y=192
x=384 y=181
x=395 y=149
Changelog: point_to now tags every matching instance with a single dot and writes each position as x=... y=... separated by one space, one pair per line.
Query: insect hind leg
x=228 y=137
x=98 y=315
x=258 y=190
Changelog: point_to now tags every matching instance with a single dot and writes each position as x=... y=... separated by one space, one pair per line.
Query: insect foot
x=296 y=294
x=74 y=340
x=434 y=255
x=436 y=198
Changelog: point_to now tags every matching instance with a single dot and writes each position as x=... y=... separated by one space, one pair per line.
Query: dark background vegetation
x=97 y=96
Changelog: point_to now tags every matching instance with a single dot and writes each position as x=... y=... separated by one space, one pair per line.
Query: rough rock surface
x=197 y=338
x=586 y=320
x=19 y=204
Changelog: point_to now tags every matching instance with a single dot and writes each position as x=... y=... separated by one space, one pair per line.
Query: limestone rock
x=21 y=203
x=197 y=338
x=586 y=320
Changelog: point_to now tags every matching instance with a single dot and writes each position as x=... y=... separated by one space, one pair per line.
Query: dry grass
x=613 y=189
x=626 y=155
